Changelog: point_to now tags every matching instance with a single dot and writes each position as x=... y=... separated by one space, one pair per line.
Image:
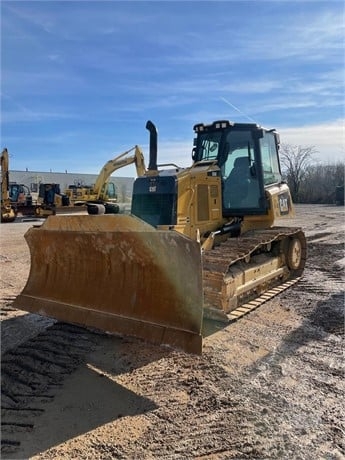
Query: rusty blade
x=118 y=274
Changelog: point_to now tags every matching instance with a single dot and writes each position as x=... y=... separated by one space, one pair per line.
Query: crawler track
x=223 y=259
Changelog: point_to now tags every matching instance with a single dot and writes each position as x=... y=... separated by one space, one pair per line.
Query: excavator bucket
x=118 y=274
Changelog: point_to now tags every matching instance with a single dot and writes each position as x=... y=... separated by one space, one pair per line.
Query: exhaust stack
x=153 y=146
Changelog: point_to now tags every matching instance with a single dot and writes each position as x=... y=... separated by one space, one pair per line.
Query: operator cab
x=247 y=156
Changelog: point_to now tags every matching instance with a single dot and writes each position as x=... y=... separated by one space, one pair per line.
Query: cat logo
x=153 y=185
x=284 y=203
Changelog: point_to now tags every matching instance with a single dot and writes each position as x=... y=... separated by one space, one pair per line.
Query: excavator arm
x=8 y=213
x=4 y=176
x=119 y=162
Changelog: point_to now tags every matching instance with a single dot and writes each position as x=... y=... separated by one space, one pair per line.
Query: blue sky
x=79 y=79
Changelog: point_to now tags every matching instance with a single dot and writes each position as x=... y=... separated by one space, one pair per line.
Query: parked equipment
x=8 y=211
x=20 y=201
x=20 y=195
x=50 y=199
x=200 y=242
x=101 y=198
x=84 y=195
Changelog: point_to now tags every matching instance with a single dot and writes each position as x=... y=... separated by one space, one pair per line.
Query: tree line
x=310 y=181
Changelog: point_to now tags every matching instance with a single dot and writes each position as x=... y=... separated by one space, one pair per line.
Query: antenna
x=238 y=110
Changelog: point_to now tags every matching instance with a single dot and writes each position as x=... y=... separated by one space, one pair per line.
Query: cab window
x=208 y=146
x=111 y=190
x=269 y=157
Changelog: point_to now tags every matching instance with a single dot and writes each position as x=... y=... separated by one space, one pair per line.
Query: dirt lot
x=268 y=386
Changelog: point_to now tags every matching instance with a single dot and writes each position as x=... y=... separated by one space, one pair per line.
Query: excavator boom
x=8 y=213
x=119 y=162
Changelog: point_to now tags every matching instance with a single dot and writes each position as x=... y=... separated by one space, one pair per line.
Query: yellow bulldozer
x=200 y=242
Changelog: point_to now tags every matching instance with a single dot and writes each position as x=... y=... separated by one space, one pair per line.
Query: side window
x=210 y=149
x=208 y=146
x=269 y=156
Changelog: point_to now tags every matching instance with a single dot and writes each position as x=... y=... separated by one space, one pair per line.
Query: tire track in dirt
x=265 y=406
x=32 y=373
x=199 y=397
x=285 y=405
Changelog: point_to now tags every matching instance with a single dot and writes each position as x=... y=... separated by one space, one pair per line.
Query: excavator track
x=240 y=274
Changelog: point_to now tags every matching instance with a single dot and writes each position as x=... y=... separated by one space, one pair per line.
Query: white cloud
x=104 y=66
x=327 y=138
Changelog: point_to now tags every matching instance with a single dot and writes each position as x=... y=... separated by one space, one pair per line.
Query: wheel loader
x=200 y=242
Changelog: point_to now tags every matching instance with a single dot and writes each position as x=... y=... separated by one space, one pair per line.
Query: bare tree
x=295 y=161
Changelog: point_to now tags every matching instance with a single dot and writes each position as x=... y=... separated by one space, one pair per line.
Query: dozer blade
x=118 y=274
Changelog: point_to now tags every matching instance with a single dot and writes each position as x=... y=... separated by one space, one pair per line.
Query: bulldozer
x=200 y=243
x=8 y=211
x=50 y=199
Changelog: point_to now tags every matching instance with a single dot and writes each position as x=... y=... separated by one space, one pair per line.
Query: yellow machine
x=20 y=195
x=80 y=194
x=8 y=211
x=16 y=198
x=50 y=199
x=101 y=198
x=200 y=242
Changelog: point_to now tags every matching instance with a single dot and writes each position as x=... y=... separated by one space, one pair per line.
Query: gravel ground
x=266 y=387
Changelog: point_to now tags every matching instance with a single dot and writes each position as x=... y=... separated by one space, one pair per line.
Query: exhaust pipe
x=153 y=146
